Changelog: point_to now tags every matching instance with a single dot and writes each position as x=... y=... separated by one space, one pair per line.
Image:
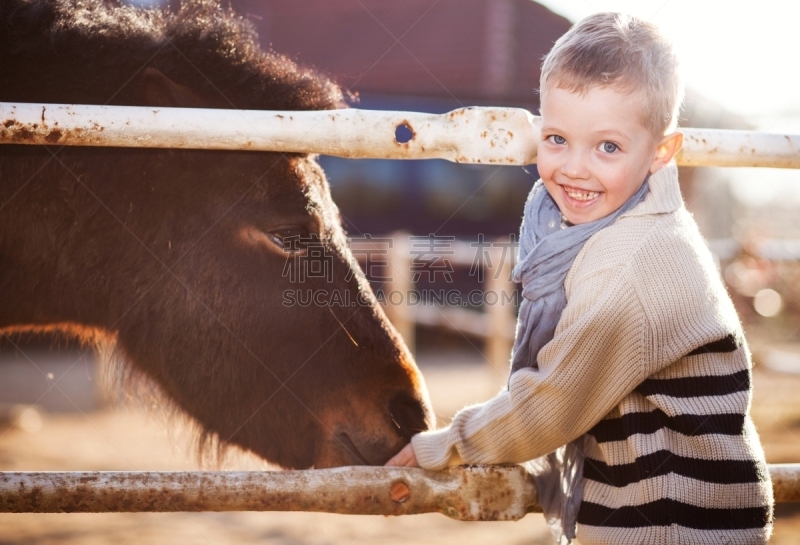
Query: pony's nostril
x=407 y=414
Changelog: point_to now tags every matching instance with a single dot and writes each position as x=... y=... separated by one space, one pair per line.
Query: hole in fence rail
x=403 y=134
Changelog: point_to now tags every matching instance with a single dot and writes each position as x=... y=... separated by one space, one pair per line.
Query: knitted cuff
x=433 y=449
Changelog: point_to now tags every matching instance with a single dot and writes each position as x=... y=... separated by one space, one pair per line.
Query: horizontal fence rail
x=463 y=493
x=472 y=493
x=504 y=136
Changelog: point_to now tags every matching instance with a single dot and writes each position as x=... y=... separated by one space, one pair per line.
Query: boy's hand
x=404 y=458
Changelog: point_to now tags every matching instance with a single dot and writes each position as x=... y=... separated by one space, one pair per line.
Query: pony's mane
x=202 y=44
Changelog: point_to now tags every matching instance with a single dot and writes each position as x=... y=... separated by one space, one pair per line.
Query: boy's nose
x=574 y=166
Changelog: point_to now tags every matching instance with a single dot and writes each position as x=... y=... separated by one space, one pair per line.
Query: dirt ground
x=136 y=438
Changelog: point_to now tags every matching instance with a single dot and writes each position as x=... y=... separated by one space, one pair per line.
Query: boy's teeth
x=582 y=195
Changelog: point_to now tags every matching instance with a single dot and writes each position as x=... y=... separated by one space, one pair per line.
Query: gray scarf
x=546 y=253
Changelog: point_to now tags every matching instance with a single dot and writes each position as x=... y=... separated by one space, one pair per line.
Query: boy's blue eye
x=609 y=147
x=556 y=139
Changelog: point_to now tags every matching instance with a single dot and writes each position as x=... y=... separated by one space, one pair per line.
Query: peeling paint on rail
x=498 y=136
x=470 y=493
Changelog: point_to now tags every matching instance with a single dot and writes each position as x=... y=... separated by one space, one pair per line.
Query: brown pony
x=184 y=258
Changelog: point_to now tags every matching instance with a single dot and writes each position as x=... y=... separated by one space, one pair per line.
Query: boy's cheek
x=545 y=163
x=547 y=167
x=555 y=192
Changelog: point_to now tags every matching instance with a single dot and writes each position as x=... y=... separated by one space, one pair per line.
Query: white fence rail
x=471 y=135
x=462 y=493
x=504 y=136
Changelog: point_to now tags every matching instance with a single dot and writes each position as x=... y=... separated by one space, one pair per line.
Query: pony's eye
x=293 y=238
x=609 y=147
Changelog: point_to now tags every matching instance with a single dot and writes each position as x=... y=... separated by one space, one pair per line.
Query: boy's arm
x=597 y=356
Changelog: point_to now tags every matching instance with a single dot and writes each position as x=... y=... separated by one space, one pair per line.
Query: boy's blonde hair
x=623 y=51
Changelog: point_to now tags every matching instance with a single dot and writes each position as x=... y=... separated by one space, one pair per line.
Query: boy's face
x=595 y=152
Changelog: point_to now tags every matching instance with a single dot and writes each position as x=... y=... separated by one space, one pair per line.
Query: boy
x=628 y=349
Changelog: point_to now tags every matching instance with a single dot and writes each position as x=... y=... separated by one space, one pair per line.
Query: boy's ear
x=666 y=150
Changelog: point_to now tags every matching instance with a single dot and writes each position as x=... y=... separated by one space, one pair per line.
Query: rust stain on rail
x=16 y=132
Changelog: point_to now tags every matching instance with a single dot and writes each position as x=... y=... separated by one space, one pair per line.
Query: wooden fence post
x=398 y=288
x=499 y=306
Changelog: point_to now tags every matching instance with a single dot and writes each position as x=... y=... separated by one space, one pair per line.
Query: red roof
x=467 y=50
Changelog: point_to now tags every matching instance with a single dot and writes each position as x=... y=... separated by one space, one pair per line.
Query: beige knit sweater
x=649 y=360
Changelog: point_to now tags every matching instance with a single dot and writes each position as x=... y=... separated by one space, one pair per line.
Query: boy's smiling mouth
x=580 y=195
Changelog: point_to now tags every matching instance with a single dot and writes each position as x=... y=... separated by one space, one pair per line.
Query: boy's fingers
x=404 y=458
x=412 y=457
x=397 y=460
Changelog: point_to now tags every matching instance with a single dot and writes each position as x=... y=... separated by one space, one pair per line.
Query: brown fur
x=146 y=245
